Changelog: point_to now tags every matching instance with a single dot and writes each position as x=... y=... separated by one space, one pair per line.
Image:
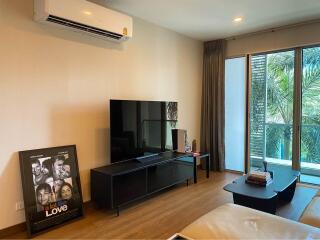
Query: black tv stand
x=152 y=157
x=116 y=185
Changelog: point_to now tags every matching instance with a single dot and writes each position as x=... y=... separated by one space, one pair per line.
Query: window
x=235 y=113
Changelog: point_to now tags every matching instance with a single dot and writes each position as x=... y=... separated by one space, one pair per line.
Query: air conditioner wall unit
x=84 y=16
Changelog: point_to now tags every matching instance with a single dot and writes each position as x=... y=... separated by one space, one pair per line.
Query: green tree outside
x=279 y=105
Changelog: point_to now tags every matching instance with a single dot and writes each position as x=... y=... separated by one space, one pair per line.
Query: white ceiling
x=213 y=19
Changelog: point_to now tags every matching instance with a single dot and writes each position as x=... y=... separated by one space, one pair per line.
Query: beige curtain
x=212 y=105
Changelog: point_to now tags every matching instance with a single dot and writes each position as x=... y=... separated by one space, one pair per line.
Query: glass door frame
x=297 y=107
x=312 y=172
x=296 y=125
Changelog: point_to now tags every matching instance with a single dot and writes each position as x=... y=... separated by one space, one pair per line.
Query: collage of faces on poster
x=52 y=181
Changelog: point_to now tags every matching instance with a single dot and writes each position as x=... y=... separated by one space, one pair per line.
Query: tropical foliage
x=279 y=96
x=310 y=132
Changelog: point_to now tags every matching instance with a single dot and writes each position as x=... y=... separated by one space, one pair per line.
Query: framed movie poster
x=51 y=187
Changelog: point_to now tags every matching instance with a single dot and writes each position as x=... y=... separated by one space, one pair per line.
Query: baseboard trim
x=22 y=227
x=233 y=171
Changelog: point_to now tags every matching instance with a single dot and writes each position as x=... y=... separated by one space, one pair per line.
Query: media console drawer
x=129 y=186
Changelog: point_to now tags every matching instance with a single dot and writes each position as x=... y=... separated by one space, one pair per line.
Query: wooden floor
x=164 y=214
x=301 y=199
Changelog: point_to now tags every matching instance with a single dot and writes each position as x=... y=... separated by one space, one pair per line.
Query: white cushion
x=232 y=221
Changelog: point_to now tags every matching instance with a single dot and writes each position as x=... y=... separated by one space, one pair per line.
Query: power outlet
x=19 y=206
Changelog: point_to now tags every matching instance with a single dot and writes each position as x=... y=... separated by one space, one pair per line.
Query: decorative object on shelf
x=179 y=140
x=194 y=145
x=188 y=147
x=195 y=154
x=51 y=187
x=259 y=178
x=265 y=165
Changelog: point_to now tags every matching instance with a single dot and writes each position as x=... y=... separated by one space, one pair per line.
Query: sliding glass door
x=271 y=108
x=285 y=111
x=310 y=115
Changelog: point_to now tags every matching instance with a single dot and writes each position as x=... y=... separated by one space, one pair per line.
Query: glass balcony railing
x=278 y=147
x=278 y=141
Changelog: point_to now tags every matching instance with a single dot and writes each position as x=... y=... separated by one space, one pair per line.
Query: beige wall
x=55 y=86
x=280 y=39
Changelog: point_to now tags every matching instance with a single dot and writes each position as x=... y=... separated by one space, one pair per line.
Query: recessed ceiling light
x=87 y=13
x=238 y=19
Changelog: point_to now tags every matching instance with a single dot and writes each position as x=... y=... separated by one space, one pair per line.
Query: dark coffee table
x=265 y=198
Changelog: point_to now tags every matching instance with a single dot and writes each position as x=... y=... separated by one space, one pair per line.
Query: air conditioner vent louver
x=83 y=27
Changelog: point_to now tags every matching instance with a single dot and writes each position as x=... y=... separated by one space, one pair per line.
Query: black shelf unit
x=116 y=185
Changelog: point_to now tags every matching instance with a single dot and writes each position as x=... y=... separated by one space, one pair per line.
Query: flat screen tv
x=141 y=128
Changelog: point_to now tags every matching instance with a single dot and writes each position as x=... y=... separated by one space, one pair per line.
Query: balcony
x=274 y=144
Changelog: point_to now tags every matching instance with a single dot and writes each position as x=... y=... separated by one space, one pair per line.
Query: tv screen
x=141 y=128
